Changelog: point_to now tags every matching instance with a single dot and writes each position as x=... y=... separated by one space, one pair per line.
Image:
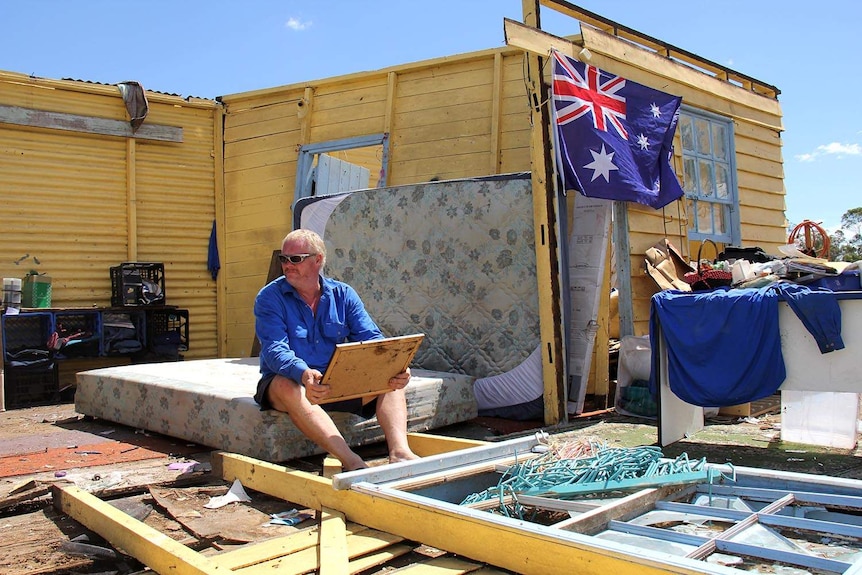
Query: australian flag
x=614 y=137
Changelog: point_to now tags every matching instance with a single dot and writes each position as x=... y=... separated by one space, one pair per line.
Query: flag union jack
x=579 y=94
x=613 y=137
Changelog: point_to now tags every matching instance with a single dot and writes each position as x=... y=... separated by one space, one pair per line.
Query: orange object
x=805 y=235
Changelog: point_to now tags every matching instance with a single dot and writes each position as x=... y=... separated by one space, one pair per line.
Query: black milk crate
x=29 y=330
x=138 y=283
x=167 y=331
x=31 y=386
x=82 y=331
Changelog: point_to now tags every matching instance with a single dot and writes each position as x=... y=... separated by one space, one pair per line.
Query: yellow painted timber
x=601 y=365
x=536 y=41
x=602 y=43
x=504 y=546
x=374 y=559
x=546 y=235
x=332 y=551
x=151 y=547
x=131 y=202
x=220 y=217
x=441 y=566
x=304 y=109
x=496 y=105
x=254 y=553
x=332 y=554
x=337 y=97
x=306 y=560
x=425 y=444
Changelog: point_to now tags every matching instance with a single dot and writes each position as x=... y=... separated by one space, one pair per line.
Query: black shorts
x=354 y=406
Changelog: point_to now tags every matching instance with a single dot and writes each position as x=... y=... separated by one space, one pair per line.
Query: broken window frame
x=308 y=154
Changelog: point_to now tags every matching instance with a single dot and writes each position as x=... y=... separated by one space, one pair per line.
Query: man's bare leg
x=288 y=396
x=392 y=417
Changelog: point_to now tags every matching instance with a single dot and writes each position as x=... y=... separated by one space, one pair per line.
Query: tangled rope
x=580 y=463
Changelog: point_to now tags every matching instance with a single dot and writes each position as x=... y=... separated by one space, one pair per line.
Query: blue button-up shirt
x=293 y=339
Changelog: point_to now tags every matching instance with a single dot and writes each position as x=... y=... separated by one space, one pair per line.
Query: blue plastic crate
x=28 y=330
x=81 y=331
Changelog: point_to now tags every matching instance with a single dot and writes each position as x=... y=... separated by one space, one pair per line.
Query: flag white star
x=643 y=142
x=656 y=111
x=602 y=164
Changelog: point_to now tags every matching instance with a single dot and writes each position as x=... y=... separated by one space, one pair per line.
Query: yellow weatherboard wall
x=464 y=116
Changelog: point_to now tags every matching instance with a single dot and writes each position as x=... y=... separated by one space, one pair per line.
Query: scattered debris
x=234 y=494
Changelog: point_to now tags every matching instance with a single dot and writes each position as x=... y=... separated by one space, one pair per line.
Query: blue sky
x=208 y=49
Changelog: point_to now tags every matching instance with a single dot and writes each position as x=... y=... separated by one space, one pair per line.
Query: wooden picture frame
x=363 y=369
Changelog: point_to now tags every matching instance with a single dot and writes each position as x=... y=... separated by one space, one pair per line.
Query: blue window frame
x=709 y=176
x=308 y=152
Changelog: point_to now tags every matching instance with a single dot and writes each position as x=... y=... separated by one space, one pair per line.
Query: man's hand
x=401 y=380
x=314 y=391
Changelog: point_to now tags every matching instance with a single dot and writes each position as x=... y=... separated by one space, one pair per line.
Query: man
x=299 y=318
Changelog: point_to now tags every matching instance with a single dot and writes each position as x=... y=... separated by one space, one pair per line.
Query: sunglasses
x=295 y=259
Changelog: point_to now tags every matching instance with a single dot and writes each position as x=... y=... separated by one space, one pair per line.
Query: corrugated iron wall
x=82 y=202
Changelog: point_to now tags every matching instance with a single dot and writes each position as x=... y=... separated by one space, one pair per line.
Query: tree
x=847 y=241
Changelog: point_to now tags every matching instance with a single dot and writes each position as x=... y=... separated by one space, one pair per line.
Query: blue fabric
x=723 y=346
x=818 y=310
x=292 y=339
x=614 y=137
x=213 y=261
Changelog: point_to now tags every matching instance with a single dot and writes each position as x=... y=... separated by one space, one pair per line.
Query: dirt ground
x=32 y=533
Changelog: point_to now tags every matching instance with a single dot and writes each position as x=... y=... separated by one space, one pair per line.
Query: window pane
x=701 y=129
x=722 y=182
x=719 y=142
x=689 y=176
x=704 y=217
x=720 y=218
x=686 y=133
x=690 y=211
x=707 y=188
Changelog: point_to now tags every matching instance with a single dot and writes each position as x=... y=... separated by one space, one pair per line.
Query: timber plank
x=377 y=558
x=481 y=75
x=350 y=95
x=306 y=560
x=653 y=64
x=254 y=553
x=441 y=566
x=87 y=124
x=148 y=545
x=459 y=97
x=39 y=535
x=406 y=119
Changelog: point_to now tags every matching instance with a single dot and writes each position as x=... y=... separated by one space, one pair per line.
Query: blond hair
x=313 y=242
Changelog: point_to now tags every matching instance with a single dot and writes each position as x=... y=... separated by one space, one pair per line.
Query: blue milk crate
x=28 y=330
x=82 y=332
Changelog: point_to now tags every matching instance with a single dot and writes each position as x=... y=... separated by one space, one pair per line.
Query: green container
x=36 y=291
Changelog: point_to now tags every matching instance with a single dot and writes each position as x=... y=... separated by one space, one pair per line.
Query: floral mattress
x=209 y=402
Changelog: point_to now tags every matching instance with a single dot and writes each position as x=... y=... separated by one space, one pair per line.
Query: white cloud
x=836 y=149
x=297 y=24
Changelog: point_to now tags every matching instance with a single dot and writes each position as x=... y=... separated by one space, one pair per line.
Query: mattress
x=209 y=402
x=453 y=259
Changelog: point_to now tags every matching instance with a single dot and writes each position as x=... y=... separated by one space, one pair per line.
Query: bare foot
x=353 y=464
x=402 y=456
